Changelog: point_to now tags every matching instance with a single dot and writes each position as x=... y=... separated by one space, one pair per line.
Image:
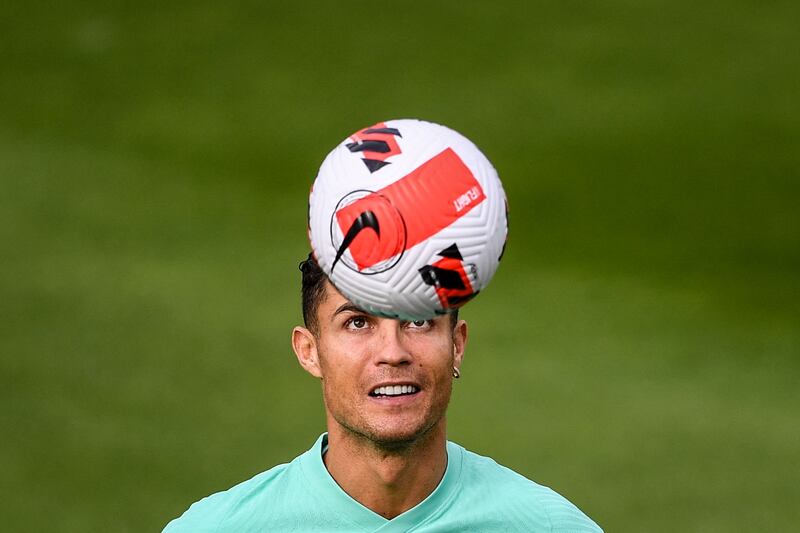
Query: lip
x=400 y=400
x=396 y=401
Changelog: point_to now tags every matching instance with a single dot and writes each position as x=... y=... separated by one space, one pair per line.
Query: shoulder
x=520 y=499
x=213 y=512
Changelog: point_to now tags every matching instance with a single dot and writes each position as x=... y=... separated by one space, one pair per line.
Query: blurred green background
x=638 y=350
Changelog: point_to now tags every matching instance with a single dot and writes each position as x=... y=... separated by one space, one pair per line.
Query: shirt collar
x=328 y=491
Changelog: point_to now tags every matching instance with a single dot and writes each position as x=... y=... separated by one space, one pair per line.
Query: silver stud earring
x=456 y=373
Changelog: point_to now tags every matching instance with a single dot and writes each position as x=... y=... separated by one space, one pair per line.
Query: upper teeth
x=392 y=390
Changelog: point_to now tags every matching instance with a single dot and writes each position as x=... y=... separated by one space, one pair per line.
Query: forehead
x=331 y=297
x=331 y=300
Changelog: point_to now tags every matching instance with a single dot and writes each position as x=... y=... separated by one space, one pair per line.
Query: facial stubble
x=371 y=435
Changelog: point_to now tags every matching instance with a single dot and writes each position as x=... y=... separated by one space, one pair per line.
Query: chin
x=400 y=436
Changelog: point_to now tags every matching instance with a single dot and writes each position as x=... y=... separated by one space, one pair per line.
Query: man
x=385 y=464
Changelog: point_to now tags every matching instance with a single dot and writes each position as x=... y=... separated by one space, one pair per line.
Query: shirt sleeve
x=567 y=518
x=204 y=516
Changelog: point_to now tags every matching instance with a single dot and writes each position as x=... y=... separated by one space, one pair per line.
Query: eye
x=357 y=322
x=420 y=324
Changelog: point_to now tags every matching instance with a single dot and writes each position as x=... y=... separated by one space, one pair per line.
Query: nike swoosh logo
x=366 y=219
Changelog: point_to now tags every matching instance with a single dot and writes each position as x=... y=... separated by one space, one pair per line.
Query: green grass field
x=638 y=350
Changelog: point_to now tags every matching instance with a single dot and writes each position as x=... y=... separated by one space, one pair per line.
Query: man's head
x=384 y=380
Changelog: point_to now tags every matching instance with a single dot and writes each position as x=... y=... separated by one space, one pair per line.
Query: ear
x=459 y=342
x=305 y=348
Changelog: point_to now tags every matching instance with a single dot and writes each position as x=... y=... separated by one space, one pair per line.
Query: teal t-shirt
x=475 y=494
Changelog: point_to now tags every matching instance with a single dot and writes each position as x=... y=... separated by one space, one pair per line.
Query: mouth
x=393 y=391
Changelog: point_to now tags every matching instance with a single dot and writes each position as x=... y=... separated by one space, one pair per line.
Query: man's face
x=365 y=361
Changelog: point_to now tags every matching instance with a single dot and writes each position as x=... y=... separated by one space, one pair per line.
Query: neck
x=389 y=480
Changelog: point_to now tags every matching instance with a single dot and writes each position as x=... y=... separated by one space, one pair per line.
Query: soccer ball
x=408 y=219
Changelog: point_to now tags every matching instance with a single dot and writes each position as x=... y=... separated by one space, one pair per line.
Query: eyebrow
x=348 y=307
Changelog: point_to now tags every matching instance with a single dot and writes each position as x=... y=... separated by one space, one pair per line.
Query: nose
x=391 y=348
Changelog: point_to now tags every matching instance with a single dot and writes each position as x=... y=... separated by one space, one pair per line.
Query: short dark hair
x=313 y=291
